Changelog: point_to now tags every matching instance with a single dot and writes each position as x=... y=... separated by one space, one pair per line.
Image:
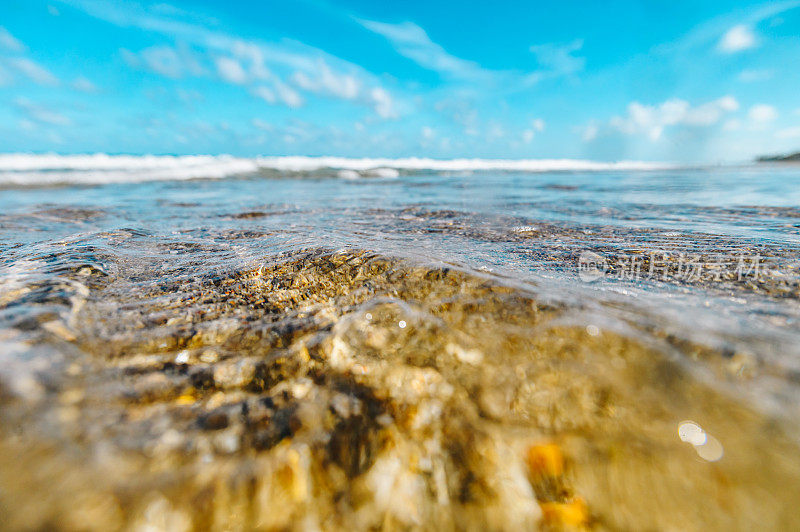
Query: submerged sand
x=349 y=390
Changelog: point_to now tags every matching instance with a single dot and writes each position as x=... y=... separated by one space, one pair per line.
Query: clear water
x=524 y=230
x=479 y=220
x=473 y=219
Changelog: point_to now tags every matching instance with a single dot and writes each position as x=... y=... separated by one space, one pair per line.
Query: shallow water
x=290 y=349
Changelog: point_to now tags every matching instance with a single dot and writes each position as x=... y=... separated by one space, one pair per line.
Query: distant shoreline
x=791 y=158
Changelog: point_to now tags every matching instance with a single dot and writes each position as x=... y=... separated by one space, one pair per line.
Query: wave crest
x=51 y=169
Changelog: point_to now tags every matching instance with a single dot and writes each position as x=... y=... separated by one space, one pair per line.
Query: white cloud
x=711 y=34
x=734 y=124
x=230 y=70
x=189 y=97
x=164 y=60
x=9 y=42
x=495 y=132
x=558 y=59
x=750 y=76
x=788 y=133
x=537 y=126
x=33 y=71
x=325 y=81
x=382 y=103
x=247 y=62
x=288 y=95
x=710 y=113
x=253 y=56
x=279 y=92
x=762 y=113
x=262 y=125
x=265 y=93
x=651 y=120
x=5 y=77
x=460 y=110
x=736 y=39
x=304 y=81
x=172 y=62
x=411 y=41
x=589 y=132
x=40 y=114
x=84 y=85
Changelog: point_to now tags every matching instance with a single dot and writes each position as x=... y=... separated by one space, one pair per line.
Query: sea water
x=643 y=317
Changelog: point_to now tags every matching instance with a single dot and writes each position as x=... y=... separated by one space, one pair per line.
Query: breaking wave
x=52 y=169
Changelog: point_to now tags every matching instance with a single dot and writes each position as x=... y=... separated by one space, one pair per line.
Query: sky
x=682 y=81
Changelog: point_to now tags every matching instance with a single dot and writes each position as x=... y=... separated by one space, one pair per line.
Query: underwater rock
x=346 y=390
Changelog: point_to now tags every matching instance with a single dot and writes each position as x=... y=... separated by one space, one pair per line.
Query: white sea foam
x=450 y=165
x=33 y=170
x=50 y=169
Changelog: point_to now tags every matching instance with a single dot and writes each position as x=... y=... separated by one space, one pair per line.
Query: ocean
x=410 y=341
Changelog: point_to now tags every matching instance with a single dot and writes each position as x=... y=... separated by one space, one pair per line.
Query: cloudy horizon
x=692 y=83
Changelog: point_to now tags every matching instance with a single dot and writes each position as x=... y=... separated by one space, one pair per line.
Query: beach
x=341 y=344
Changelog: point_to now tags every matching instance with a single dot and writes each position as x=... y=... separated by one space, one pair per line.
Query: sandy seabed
x=348 y=390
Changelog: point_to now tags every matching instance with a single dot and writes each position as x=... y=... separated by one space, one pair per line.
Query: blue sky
x=669 y=81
